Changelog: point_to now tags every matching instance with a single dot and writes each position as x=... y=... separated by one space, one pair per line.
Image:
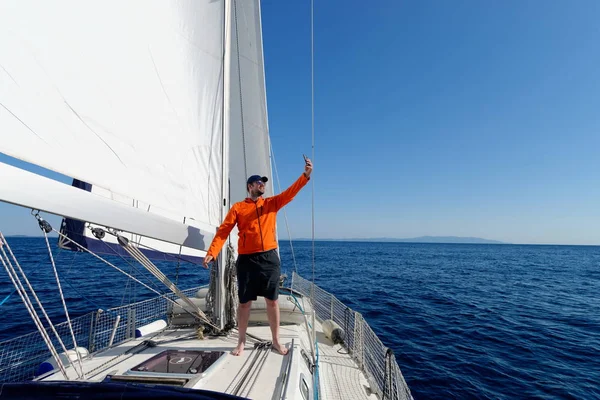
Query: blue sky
x=463 y=118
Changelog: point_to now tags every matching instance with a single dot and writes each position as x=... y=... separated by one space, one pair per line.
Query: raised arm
x=288 y=195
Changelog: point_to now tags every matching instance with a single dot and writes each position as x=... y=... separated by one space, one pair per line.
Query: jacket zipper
x=259 y=227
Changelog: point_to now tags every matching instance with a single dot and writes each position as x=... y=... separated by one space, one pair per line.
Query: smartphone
x=305 y=158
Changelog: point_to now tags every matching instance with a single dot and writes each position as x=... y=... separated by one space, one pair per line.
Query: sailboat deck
x=268 y=378
x=339 y=375
x=340 y=378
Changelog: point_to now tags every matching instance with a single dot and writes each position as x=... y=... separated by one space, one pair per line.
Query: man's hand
x=307 y=167
x=207 y=260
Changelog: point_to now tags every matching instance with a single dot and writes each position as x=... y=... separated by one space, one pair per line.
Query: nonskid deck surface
x=259 y=373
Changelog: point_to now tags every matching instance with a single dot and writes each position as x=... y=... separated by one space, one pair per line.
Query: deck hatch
x=180 y=362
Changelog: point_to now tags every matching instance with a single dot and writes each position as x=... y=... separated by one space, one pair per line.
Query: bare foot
x=238 y=350
x=280 y=349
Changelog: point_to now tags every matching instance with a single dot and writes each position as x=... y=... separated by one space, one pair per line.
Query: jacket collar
x=249 y=200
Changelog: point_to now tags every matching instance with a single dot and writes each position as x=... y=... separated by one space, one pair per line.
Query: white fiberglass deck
x=270 y=376
x=363 y=368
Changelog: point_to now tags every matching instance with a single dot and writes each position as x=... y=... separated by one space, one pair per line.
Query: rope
x=138 y=255
x=261 y=351
x=258 y=369
x=120 y=270
x=240 y=370
x=128 y=290
x=62 y=299
x=8 y=297
x=314 y=345
x=87 y=299
x=230 y=277
x=109 y=263
x=387 y=375
x=129 y=353
x=111 y=249
x=132 y=265
x=231 y=301
x=83 y=295
x=35 y=270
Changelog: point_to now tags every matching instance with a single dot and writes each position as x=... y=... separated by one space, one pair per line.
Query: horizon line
x=387 y=240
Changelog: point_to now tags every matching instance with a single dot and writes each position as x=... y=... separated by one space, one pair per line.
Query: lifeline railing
x=377 y=361
x=21 y=357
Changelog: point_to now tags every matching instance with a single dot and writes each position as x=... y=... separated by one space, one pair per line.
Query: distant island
x=51 y=234
x=420 y=239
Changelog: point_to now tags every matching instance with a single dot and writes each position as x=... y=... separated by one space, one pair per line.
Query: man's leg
x=273 y=315
x=243 y=316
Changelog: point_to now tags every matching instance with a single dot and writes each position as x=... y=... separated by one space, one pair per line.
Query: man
x=258 y=266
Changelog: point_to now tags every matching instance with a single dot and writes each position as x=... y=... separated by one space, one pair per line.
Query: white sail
x=249 y=136
x=249 y=148
x=139 y=110
x=132 y=104
x=246 y=134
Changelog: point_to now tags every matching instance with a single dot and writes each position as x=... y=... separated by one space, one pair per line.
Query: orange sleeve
x=222 y=233
x=288 y=194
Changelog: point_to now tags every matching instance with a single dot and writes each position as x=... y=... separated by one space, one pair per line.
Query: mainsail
x=249 y=146
x=138 y=109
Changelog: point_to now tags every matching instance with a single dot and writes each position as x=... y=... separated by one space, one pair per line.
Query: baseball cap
x=256 y=178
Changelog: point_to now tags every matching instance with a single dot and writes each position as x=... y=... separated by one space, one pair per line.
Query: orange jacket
x=256 y=221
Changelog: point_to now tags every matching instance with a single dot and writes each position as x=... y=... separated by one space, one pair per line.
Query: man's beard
x=257 y=192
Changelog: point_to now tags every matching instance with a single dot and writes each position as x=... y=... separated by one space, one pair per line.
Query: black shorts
x=258 y=275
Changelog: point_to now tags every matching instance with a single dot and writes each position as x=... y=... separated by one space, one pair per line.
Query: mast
x=220 y=293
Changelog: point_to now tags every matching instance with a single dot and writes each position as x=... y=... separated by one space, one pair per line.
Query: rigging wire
x=16 y=280
x=62 y=296
x=108 y=263
x=287 y=225
x=120 y=270
x=312 y=89
x=35 y=269
x=312 y=84
x=83 y=296
x=133 y=268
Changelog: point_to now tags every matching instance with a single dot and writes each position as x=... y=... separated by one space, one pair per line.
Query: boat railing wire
x=21 y=357
x=377 y=361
